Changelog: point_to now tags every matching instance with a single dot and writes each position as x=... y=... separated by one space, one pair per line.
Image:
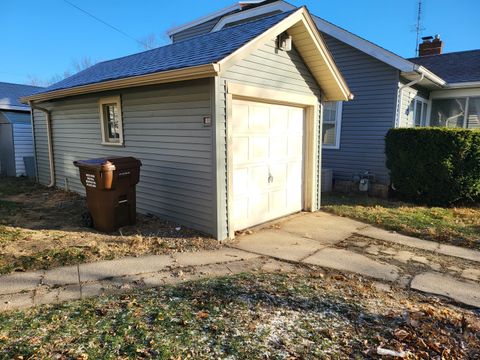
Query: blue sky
x=42 y=39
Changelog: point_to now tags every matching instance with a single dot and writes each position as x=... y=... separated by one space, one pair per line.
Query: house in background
x=16 y=140
x=390 y=91
x=457 y=103
x=227 y=124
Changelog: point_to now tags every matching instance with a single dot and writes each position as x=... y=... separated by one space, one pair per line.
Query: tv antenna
x=418 y=27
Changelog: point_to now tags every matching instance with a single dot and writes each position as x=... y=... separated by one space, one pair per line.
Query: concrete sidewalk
x=318 y=239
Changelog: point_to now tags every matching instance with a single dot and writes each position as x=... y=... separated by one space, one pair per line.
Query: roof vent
x=284 y=42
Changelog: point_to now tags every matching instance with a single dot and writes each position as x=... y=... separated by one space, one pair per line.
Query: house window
x=417 y=112
x=448 y=112
x=473 y=117
x=111 y=120
x=332 y=119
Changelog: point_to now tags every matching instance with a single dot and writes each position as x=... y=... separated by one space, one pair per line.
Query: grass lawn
x=42 y=228
x=248 y=316
x=457 y=226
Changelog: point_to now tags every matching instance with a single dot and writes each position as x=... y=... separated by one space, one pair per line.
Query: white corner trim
x=265 y=9
x=338 y=127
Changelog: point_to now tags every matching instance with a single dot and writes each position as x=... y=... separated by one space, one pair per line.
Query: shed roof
x=10 y=95
x=454 y=67
x=16 y=117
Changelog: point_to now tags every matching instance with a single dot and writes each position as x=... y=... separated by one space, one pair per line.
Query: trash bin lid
x=109 y=163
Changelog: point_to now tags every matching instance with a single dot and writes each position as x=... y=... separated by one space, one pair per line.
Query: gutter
x=48 y=121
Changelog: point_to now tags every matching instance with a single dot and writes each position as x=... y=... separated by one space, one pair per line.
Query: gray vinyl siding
x=267 y=68
x=200 y=29
x=162 y=127
x=23 y=145
x=41 y=147
x=367 y=118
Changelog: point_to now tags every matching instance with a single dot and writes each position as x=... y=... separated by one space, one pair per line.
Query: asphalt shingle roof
x=10 y=94
x=200 y=50
x=455 y=67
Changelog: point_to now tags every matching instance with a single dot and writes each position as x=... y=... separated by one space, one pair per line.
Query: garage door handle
x=270 y=178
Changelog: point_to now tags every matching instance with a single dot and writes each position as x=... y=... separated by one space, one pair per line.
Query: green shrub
x=436 y=166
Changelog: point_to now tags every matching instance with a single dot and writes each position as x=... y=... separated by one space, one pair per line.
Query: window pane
x=473 y=118
x=424 y=114
x=448 y=112
x=418 y=113
x=329 y=132
x=112 y=122
x=329 y=111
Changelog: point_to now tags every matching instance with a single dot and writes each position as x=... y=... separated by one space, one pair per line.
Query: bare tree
x=78 y=65
x=148 y=42
x=82 y=64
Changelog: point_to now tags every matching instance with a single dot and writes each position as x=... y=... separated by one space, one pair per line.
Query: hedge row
x=435 y=166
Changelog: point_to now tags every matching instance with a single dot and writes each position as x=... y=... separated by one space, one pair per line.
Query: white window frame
x=422 y=101
x=338 y=127
x=106 y=101
x=454 y=94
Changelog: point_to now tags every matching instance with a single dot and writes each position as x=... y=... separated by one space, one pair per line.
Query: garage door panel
x=257 y=179
x=240 y=118
x=280 y=116
x=295 y=121
x=267 y=162
x=278 y=147
x=240 y=185
x=259 y=148
x=259 y=118
x=240 y=149
x=294 y=146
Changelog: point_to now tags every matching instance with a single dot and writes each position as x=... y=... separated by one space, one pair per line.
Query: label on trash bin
x=90 y=180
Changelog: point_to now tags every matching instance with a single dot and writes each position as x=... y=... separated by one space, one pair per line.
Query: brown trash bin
x=110 y=186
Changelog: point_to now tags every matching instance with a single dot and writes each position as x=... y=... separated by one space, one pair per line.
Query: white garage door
x=267 y=149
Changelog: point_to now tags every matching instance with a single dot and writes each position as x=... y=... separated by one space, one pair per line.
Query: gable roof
x=201 y=56
x=454 y=67
x=10 y=95
x=408 y=69
x=216 y=14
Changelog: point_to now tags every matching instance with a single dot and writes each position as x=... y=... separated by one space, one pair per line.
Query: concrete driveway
x=343 y=244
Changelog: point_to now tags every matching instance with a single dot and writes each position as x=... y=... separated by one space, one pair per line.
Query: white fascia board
x=430 y=75
x=265 y=9
x=14 y=107
x=203 y=19
x=365 y=46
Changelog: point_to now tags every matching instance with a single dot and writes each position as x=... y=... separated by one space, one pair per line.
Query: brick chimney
x=430 y=46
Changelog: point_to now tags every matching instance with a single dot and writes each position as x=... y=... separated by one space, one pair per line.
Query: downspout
x=400 y=94
x=48 y=121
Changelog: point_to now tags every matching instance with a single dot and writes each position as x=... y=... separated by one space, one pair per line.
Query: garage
x=267 y=146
